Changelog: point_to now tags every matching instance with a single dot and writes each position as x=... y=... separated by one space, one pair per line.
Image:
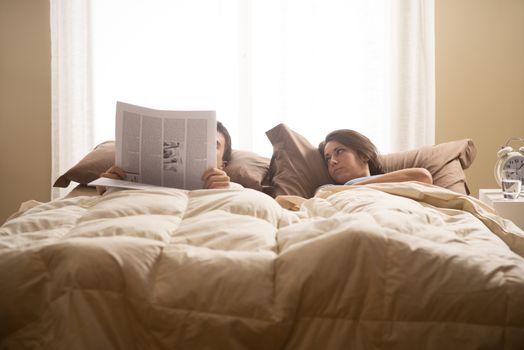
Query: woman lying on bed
x=352 y=159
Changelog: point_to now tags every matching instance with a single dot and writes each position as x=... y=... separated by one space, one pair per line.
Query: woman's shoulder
x=360 y=179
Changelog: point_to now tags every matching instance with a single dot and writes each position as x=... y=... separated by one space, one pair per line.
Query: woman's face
x=343 y=163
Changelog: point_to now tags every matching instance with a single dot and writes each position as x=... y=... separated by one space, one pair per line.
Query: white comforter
x=391 y=266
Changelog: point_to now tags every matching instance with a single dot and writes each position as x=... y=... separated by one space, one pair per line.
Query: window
x=316 y=65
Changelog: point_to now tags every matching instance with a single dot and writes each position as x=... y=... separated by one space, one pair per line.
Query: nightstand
x=512 y=209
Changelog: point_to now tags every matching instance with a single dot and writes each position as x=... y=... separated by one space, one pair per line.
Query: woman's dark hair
x=357 y=142
x=227 y=147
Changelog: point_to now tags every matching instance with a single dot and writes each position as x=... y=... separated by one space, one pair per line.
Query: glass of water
x=511 y=184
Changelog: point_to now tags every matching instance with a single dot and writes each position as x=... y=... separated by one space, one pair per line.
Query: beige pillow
x=297 y=168
x=445 y=161
x=246 y=168
x=89 y=168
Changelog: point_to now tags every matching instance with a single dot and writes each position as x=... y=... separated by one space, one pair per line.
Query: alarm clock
x=508 y=158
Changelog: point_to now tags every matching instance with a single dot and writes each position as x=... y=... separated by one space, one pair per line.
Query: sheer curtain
x=71 y=117
x=316 y=65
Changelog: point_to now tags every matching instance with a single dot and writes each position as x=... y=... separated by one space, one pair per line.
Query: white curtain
x=316 y=65
x=72 y=123
x=320 y=65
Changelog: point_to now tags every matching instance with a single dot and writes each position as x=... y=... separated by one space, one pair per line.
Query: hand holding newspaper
x=162 y=148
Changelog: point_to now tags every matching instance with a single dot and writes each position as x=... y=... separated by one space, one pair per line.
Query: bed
x=384 y=266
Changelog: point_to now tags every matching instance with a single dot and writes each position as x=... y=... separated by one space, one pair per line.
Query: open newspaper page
x=163 y=148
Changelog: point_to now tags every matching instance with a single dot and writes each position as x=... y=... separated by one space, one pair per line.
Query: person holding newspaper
x=217 y=177
x=213 y=178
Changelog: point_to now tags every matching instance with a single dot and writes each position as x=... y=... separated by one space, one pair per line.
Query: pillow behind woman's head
x=296 y=168
x=445 y=161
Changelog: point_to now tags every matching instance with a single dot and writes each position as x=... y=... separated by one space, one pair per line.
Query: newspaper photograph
x=163 y=148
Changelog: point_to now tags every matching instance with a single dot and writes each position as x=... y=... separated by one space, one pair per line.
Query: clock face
x=517 y=163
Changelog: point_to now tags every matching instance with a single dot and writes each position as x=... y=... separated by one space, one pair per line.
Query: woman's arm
x=409 y=174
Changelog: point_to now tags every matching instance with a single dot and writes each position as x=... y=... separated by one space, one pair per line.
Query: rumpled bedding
x=386 y=266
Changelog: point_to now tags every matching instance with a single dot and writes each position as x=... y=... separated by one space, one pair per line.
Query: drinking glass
x=511 y=184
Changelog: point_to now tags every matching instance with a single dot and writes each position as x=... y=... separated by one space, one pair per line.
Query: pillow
x=297 y=168
x=246 y=168
x=89 y=168
x=445 y=161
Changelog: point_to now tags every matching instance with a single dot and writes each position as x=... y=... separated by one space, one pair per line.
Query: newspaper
x=162 y=148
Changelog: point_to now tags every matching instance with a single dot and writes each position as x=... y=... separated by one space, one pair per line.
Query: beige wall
x=480 y=78
x=480 y=88
x=25 y=103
